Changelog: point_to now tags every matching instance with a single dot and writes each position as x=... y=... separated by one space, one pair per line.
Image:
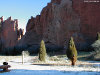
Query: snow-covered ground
x=17 y=68
x=47 y=72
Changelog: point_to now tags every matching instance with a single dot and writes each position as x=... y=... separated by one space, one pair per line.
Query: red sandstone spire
x=1 y=18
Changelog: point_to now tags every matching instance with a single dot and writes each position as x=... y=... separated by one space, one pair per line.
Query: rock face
x=9 y=32
x=60 y=20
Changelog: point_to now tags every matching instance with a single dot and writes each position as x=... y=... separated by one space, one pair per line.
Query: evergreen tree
x=42 y=52
x=71 y=51
x=98 y=36
x=96 y=44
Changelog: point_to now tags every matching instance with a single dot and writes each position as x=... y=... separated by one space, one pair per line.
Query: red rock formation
x=56 y=1
x=61 y=19
x=89 y=15
x=9 y=34
x=20 y=33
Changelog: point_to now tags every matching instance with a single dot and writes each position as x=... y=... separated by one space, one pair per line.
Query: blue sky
x=21 y=9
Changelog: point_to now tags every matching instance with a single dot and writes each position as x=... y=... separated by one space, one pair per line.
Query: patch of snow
x=17 y=68
x=47 y=72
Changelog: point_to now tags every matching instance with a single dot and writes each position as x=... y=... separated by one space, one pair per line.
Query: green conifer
x=42 y=52
x=71 y=51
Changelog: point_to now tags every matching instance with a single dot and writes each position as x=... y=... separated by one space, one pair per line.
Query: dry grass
x=59 y=60
x=8 y=58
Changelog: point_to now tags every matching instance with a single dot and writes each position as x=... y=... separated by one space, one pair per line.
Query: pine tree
x=98 y=36
x=71 y=51
x=42 y=52
x=96 y=44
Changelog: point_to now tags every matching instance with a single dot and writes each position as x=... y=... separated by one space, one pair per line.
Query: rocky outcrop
x=9 y=32
x=60 y=20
